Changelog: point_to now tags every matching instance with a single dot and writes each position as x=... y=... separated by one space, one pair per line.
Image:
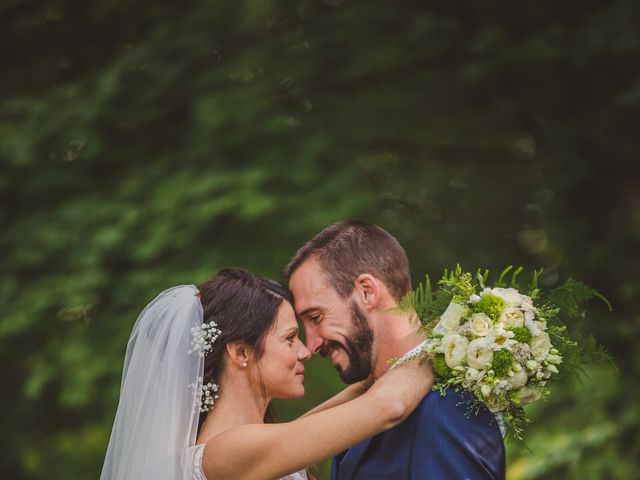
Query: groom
x=345 y=282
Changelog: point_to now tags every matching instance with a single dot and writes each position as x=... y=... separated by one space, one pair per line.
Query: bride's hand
x=404 y=386
x=346 y=395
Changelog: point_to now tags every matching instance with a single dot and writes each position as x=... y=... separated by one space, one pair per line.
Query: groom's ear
x=367 y=290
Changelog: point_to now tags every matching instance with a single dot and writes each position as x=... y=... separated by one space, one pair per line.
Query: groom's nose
x=313 y=341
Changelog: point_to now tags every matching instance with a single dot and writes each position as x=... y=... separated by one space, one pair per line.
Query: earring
x=244 y=365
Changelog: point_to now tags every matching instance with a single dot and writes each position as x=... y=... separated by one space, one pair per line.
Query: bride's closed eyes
x=292 y=336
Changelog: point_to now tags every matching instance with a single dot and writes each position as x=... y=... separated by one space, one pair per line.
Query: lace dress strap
x=301 y=475
x=198 y=474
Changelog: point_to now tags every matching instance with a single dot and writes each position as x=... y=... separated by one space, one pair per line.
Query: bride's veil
x=155 y=428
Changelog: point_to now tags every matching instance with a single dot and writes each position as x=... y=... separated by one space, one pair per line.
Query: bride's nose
x=303 y=353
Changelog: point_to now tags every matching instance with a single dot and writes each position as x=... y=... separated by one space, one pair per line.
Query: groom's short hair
x=350 y=248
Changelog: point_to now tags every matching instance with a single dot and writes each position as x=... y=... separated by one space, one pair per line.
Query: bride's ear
x=239 y=353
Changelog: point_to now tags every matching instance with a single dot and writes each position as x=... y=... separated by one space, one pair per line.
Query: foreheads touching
x=339 y=279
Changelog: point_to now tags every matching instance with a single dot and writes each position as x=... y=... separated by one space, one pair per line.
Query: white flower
x=454 y=347
x=512 y=317
x=479 y=353
x=450 y=319
x=202 y=338
x=471 y=374
x=502 y=386
x=534 y=326
x=480 y=324
x=532 y=365
x=510 y=295
x=474 y=298
x=486 y=390
x=552 y=368
x=527 y=304
x=554 y=359
x=527 y=395
x=540 y=346
x=499 y=338
x=519 y=379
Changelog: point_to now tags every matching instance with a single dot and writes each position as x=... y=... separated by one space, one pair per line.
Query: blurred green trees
x=145 y=144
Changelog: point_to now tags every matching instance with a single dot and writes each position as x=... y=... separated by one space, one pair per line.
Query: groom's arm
x=456 y=440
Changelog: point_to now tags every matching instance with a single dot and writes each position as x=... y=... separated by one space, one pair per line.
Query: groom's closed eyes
x=313 y=314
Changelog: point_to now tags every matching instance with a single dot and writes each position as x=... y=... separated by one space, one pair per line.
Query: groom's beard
x=358 y=348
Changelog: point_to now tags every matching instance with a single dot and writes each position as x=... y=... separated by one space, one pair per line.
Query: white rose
x=527 y=395
x=540 y=346
x=454 y=347
x=512 y=317
x=480 y=324
x=510 y=295
x=474 y=298
x=519 y=379
x=450 y=319
x=471 y=374
x=479 y=353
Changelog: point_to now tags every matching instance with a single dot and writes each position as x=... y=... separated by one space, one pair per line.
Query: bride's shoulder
x=198 y=468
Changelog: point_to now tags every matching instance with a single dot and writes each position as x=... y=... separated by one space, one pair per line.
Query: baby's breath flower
x=203 y=338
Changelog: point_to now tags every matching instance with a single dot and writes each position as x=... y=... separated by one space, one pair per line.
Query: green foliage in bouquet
x=500 y=344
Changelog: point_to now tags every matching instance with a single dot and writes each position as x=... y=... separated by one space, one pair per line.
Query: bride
x=201 y=368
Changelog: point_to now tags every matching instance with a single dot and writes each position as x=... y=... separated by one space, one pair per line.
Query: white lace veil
x=155 y=428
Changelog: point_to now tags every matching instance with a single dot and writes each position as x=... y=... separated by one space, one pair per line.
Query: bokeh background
x=146 y=144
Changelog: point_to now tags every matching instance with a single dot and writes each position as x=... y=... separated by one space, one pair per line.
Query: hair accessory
x=208 y=395
x=203 y=338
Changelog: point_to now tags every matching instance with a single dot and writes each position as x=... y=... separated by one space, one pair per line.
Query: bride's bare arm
x=347 y=394
x=269 y=451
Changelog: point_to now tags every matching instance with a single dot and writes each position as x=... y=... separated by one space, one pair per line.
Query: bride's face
x=281 y=368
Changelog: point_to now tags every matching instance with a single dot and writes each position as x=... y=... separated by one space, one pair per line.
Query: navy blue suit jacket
x=441 y=440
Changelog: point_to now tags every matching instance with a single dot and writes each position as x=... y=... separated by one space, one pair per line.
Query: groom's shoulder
x=456 y=406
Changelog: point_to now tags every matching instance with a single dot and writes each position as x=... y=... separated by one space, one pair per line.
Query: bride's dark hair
x=244 y=306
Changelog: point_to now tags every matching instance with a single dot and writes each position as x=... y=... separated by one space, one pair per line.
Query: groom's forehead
x=310 y=287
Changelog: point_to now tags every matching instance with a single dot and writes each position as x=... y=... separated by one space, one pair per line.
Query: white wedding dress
x=198 y=474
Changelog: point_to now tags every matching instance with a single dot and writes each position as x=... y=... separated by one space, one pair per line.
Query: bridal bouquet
x=502 y=345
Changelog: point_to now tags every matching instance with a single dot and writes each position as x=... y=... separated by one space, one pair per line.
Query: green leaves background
x=146 y=144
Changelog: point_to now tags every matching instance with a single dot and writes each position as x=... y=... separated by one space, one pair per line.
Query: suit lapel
x=349 y=463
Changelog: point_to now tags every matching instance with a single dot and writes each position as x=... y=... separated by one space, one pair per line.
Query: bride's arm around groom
x=273 y=450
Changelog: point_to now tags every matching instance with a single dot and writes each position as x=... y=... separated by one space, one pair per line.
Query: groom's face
x=334 y=326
